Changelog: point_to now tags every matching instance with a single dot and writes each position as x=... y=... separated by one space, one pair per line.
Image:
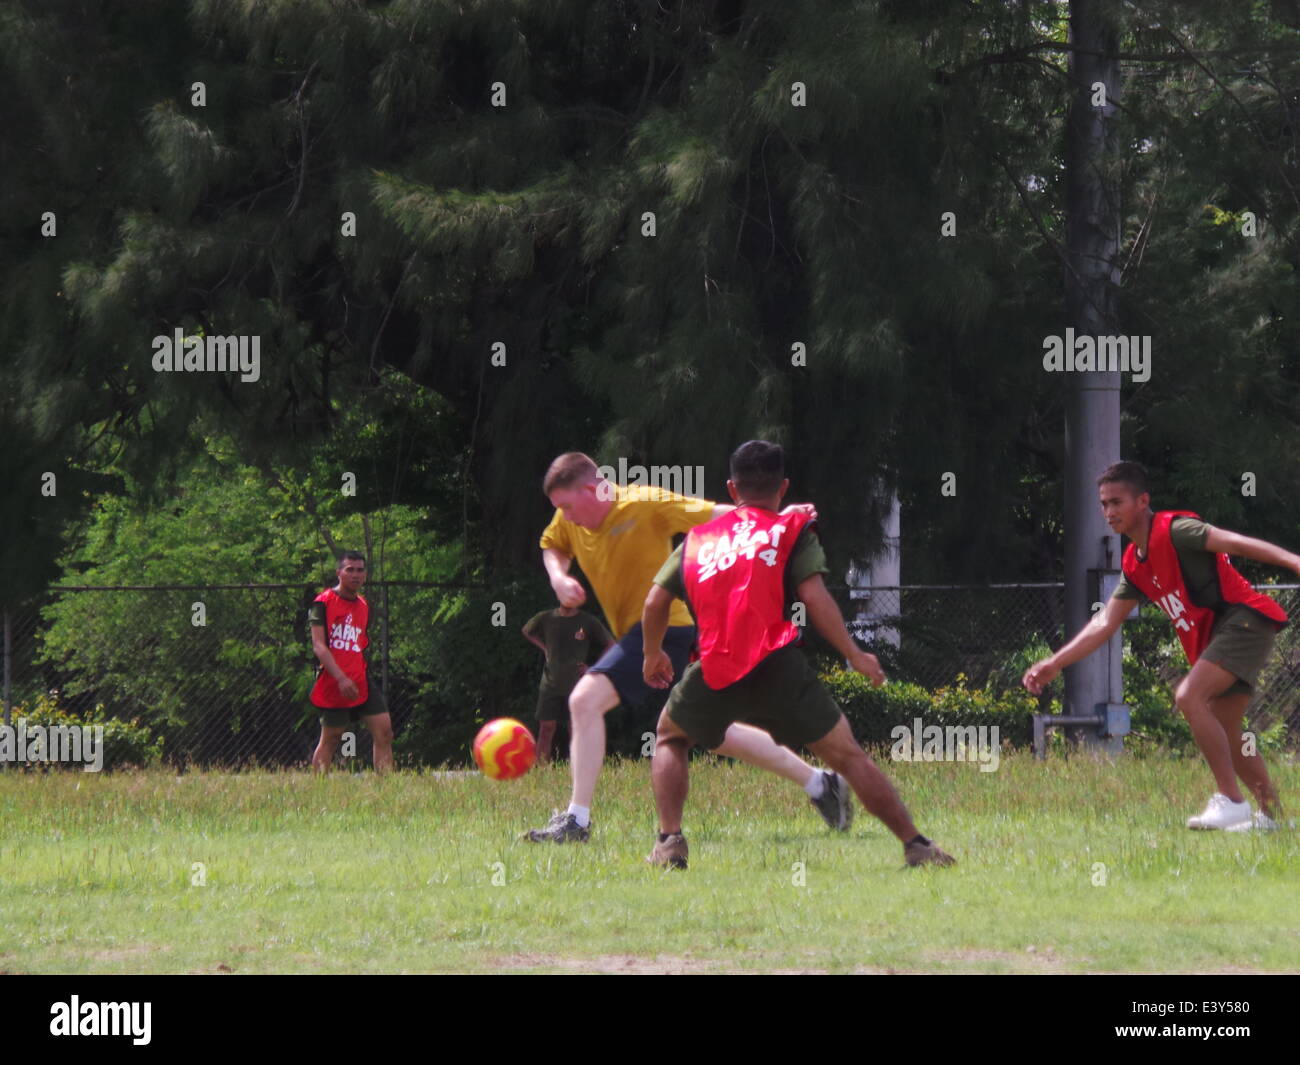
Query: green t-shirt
x=570 y=642
x=807 y=558
x=1200 y=572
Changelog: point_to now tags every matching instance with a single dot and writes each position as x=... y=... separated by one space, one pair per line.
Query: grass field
x=354 y=873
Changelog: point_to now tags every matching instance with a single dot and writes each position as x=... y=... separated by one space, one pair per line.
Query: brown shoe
x=670 y=852
x=927 y=854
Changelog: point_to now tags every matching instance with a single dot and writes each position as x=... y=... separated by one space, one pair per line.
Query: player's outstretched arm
x=568 y=590
x=658 y=667
x=1222 y=541
x=1101 y=628
x=824 y=613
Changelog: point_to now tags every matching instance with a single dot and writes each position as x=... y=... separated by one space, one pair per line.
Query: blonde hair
x=573 y=467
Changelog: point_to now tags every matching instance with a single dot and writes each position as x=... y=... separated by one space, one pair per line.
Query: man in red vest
x=343 y=693
x=1227 y=629
x=620 y=536
x=740 y=574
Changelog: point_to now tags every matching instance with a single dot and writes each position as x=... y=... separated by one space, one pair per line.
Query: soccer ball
x=504 y=749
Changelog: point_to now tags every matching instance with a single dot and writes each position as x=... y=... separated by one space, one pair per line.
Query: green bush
x=1005 y=678
x=126 y=743
x=874 y=713
x=1148 y=691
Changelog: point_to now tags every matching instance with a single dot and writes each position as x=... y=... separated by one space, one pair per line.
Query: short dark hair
x=348 y=556
x=1133 y=474
x=573 y=467
x=758 y=468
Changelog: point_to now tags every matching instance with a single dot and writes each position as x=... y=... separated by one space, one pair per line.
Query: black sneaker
x=563 y=827
x=835 y=803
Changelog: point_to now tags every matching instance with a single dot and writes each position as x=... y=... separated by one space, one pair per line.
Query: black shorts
x=342 y=716
x=553 y=703
x=624 y=663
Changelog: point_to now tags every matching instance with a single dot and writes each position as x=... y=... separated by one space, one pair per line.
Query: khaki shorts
x=781 y=695
x=1242 y=643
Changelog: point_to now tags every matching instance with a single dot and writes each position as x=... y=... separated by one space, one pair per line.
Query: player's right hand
x=658 y=669
x=1039 y=675
x=868 y=665
x=569 y=591
x=348 y=688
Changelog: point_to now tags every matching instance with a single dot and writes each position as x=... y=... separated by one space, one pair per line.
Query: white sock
x=581 y=813
x=816 y=785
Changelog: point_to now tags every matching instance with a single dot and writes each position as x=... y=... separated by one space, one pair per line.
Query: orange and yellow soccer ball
x=504 y=749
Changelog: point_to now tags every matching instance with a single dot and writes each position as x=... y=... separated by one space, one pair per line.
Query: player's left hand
x=802 y=508
x=658 y=669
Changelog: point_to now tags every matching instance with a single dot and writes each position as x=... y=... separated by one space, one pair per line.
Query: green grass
x=354 y=873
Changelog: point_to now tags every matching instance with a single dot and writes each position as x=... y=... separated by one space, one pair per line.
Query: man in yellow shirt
x=620 y=536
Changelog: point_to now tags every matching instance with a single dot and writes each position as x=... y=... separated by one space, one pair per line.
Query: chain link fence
x=931 y=634
x=221 y=674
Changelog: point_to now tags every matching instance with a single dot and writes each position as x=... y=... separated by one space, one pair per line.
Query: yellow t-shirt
x=622 y=556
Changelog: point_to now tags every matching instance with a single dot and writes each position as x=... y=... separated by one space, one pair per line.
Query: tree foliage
x=524 y=225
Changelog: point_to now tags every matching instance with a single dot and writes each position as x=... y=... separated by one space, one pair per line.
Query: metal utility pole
x=1092 y=277
x=8 y=670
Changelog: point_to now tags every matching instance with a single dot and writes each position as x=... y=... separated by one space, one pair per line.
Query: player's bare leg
x=330 y=738
x=839 y=750
x=381 y=735
x=545 y=740
x=757 y=747
x=1230 y=710
x=1206 y=681
x=828 y=792
x=669 y=778
x=592 y=698
x=670 y=782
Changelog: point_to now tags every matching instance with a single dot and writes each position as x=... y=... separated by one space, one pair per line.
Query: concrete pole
x=1092 y=287
x=883 y=570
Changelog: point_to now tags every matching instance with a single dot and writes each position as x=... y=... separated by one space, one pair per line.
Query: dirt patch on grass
x=139 y=950
x=1038 y=960
x=662 y=965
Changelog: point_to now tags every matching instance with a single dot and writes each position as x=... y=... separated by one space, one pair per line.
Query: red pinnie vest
x=345 y=635
x=733 y=570
x=1160 y=578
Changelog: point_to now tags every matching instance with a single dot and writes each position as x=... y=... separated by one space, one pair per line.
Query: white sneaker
x=1261 y=823
x=1222 y=812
